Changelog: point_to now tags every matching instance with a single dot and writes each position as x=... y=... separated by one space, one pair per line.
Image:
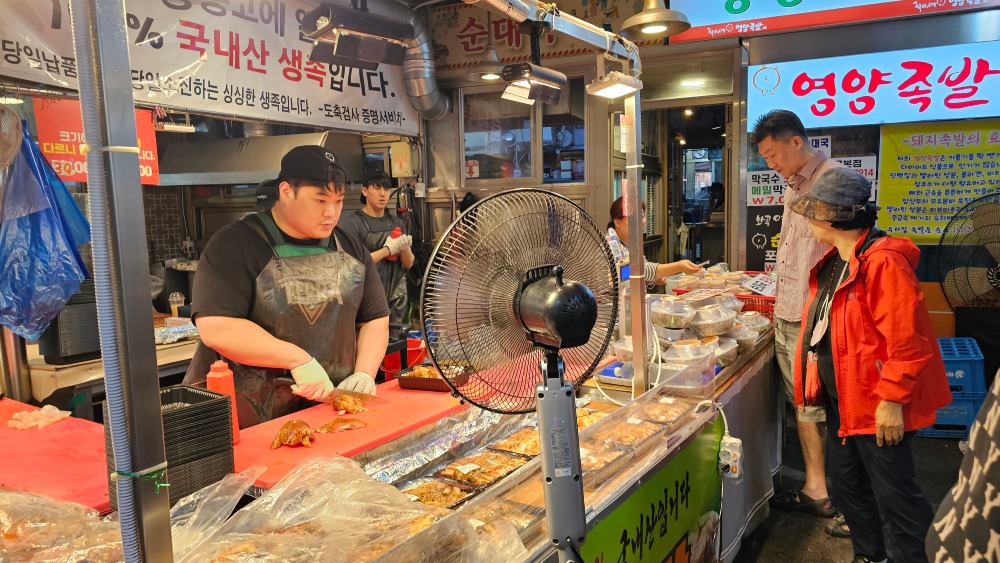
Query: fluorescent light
x=695 y=82
x=689 y=112
x=614 y=85
x=175 y=127
x=11 y=100
x=516 y=93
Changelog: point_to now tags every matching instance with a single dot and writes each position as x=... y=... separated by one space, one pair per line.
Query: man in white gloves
x=375 y=227
x=287 y=291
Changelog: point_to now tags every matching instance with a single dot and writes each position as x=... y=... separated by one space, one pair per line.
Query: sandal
x=838 y=527
x=797 y=500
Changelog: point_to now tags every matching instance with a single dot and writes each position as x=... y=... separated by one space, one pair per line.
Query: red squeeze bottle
x=220 y=380
x=396 y=233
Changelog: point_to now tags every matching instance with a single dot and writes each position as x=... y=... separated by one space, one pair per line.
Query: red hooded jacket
x=882 y=340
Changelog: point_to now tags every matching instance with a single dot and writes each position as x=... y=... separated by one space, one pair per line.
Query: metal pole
x=633 y=210
x=121 y=273
x=16 y=381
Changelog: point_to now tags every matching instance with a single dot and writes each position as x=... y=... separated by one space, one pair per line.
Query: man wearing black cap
x=285 y=290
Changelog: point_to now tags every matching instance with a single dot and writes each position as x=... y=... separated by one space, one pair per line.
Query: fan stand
x=561 y=471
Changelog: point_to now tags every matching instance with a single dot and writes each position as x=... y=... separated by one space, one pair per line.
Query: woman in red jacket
x=867 y=351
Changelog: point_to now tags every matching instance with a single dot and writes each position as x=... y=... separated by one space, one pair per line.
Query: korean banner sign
x=932 y=84
x=243 y=58
x=60 y=134
x=711 y=19
x=930 y=170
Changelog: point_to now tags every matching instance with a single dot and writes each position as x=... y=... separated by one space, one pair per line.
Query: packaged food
x=713 y=320
x=671 y=312
x=437 y=493
x=693 y=382
x=687 y=282
x=726 y=352
x=746 y=339
x=730 y=301
x=585 y=418
x=683 y=355
x=735 y=278
x=711 y=341
x=482 y=468
x=524 y=442
x=756 y=321
x=629 y=433
x=623 y=349
x=667 y=336
x=713 y=282
x=720 y=268
x=665 y=410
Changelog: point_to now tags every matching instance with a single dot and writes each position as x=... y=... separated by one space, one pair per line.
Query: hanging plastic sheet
x=40 y=267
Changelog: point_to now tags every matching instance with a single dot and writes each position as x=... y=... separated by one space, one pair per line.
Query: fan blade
x=986 y=225
x=971 y=286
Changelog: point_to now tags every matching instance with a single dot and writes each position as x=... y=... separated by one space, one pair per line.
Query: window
x=497 y=137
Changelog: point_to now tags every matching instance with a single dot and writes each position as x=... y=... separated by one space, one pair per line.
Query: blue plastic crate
x=964 y=363
x=954 y=420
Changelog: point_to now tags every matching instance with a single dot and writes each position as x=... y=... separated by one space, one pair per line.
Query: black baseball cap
x=838 y=194
x=304 y=162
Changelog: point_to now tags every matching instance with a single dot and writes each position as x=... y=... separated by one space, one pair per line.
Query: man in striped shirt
x=782 y=141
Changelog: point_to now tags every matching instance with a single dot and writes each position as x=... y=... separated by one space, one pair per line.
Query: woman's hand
x=889 y=423
x=686 y=267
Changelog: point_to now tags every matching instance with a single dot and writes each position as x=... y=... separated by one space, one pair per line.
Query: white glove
x=394 y=244
x=406 y=244
x=360 y=382
x=311 y=381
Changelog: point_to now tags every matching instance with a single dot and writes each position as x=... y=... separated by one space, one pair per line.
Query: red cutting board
x=64 y=461
x=402 y=412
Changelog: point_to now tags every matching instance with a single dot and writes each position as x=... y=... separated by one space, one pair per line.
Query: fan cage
x=968 y=255
x=467 y=295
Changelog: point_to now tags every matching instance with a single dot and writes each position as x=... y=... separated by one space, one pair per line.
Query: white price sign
x=762 y=284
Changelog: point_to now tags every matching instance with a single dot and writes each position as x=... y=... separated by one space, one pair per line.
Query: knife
x=363 y=397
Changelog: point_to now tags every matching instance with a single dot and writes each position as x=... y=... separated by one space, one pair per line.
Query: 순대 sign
x=230 y=57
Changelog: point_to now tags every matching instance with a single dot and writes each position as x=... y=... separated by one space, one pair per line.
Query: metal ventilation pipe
x=419 y=72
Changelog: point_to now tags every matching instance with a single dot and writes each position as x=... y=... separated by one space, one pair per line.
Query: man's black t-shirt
x=228 y=269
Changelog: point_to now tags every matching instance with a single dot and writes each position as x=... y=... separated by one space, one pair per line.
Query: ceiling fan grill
x=969 y=255
x=475 y=273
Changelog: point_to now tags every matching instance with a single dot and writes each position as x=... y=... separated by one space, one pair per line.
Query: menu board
x=929 y=171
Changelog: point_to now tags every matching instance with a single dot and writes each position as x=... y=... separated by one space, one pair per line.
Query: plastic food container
x=714 y=282
x=720 y=268
x=435 y=492
x=755 y=321
x=623 y=349
x=693 y=381
x=713 y=320
x=711 y=342
x=745 y=338
x=671 y=312
x=684 y=355
x=730 y=301
x=667 y=336
x=727 y=352
x=687 y=282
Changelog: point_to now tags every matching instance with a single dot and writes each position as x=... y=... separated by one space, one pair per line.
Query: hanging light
x=655 y=21
x=489 y=67
x=614 y=85
x=527 y=82
x=10 y=100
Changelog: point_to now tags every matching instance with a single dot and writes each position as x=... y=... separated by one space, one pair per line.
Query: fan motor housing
x=556 y=313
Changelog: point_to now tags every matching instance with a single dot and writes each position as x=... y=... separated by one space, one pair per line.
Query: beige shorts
x=786 y=338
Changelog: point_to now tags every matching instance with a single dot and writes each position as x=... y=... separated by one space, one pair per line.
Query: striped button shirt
x=798 y=250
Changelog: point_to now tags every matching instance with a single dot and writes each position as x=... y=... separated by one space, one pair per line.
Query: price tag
x=762 y=284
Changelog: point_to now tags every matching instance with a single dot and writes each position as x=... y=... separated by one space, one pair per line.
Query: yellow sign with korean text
x=928 y=171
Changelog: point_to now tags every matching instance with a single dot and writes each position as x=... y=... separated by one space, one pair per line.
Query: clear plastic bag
x=40 y=268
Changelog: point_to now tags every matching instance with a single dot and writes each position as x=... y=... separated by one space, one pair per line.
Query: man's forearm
x=407 y=258
x=248 y=343
x=380 y=254
x=373 y=338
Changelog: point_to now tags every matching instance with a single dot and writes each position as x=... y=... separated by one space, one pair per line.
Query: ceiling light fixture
x=11 y=100
x=655 y=21
x=691 y=83
x=527 y=81
x=531 y=82
x=349 y=37
x=689 y=112
x=680 y=139
x=174 y=127
x=614 y=85
x=489 y=67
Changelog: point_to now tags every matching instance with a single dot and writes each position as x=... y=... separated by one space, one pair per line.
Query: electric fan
x=969 y=255
x=519 y=302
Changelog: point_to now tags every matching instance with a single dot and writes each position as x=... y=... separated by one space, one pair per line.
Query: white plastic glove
x=394 y=244
x=311 y=381
x=360 y=382
x=406 y=244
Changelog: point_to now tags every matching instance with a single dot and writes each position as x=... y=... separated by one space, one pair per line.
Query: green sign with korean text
x=673 y=517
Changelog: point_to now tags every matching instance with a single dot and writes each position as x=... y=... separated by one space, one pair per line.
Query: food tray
x=482 y=468
x=438 y=492
x=427 y=383
x=666 y=410
x=524 y=442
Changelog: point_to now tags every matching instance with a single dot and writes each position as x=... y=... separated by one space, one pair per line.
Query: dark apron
x=392 y=273
x=307 y=295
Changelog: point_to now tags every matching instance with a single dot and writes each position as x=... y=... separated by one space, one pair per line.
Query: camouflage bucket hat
x=837 y=195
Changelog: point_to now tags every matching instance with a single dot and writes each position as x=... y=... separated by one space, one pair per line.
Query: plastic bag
x=39 y=268
x=36 y=528
x=37 y=418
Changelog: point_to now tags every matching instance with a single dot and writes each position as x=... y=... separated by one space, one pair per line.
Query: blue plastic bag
x=39 y=267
